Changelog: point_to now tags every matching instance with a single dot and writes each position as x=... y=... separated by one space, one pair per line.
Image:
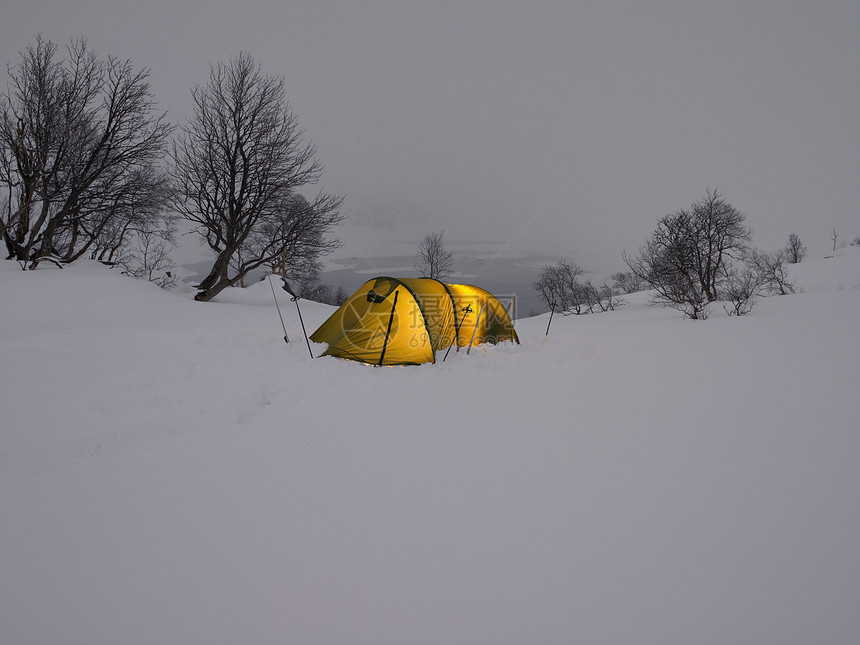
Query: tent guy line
x=303 y=448
x=557 y=194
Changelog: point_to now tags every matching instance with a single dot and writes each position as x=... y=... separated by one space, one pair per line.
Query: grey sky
x=474 y=114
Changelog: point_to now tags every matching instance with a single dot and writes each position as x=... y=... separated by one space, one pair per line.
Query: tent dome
x=405 y=321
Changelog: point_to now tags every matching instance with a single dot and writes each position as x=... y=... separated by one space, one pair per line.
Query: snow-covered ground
x=171 y=473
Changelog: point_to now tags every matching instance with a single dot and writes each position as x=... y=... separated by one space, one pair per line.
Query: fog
x=559 y=128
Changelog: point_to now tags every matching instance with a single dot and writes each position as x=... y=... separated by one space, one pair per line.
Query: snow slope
x=172 y=472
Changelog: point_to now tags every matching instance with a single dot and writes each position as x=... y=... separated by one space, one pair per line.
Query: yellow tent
x=405 y=321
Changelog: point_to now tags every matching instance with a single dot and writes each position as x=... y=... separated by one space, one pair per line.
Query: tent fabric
x=405 y=321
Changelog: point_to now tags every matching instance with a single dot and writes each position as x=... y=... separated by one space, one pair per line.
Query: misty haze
x=399 y=322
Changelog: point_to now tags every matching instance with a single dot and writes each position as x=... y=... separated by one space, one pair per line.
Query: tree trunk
x=217 y=280
x=46 y=249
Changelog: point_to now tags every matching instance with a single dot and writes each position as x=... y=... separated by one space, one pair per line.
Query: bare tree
x=589 y=297
x=608 y=297
x=834 y=237
x=557 y=285
x=666 y=263
x=549 y=287
x=299 y=258
x=718 y=236
x=795 y=250
x=434 y=260
x=316 y=291
x=146 y=255
x=80 y=142
x=686 y=259
x=560 y=288
x=238 y=165
x=340 y=296
x=772 y=274
x=740 y=288
x=628 y=282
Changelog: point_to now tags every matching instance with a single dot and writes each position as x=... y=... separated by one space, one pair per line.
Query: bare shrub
x=610 y=298
x=628 y=282
x=740 y=288
x=772 y=274
x=147 y=256
x=316 y=291
x=340 y=296
x=559 y=286
x=795 y=250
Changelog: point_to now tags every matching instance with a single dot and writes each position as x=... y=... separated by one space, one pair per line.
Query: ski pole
x=552 y=311
x=286 y=338
x=449 y=347
x=295 y=299
x=466 y=310
x=471 y=340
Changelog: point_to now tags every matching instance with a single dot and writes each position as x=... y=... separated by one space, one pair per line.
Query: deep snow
x=172 y=472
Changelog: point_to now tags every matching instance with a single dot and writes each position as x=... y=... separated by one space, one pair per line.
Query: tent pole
x=475 y=331
x=388 y=332
x=286 y=338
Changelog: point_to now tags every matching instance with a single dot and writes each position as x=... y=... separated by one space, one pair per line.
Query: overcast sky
x=475 y=115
